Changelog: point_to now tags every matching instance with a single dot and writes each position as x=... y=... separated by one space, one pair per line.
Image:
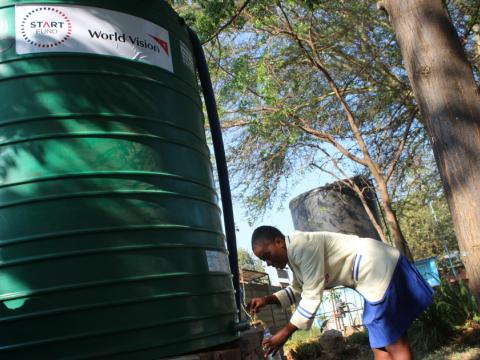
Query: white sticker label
x=187 y=57
x=217 y=261
x=82 y=29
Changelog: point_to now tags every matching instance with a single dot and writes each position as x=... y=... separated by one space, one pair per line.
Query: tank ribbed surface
x=336 y=208
x=111 y=241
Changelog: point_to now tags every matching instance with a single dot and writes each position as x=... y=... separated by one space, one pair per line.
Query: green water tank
x=111 y=243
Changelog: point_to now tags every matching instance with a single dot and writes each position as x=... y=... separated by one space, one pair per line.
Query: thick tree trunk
x=448 y=99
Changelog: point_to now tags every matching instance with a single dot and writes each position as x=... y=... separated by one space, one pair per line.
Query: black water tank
x=335 y=207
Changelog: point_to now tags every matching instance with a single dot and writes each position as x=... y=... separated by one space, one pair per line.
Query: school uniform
x=394 y=292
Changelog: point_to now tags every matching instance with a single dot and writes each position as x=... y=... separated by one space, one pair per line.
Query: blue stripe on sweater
x=353 y=266
x=292 y=293
x=306 y=311
x=288 y=294
x=358 y=267
x=301 y=310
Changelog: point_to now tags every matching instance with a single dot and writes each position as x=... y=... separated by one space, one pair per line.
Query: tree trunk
x=371 y=216
x=448 y=98
x=398 y=238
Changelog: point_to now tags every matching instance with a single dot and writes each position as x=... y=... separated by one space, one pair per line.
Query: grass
x=358 y=338
x=454 y=352
x=305 y=344
x=305 y=335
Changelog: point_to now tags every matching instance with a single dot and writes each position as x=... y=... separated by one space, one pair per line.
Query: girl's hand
x=256 y=304
x=273 y=344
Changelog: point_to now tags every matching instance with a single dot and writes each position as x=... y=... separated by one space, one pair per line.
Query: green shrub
x=452 y=306
x=304 y=336
x=430 y=330
x=304 y=349
x=358 y=338
x=305 y=344
x=458 y=303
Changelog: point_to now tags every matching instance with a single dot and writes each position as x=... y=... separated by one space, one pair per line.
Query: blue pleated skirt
x=407 y=296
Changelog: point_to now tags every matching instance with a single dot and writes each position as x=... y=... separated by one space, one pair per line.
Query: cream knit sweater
x=322 y=260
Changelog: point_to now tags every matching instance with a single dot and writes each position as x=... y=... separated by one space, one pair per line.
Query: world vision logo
x=46 y=27
x=155 y=44
x=160 y=42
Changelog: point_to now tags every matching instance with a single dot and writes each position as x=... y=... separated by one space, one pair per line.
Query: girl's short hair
x=265 y=233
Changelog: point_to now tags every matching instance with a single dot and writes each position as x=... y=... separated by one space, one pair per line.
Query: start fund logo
x=46 y=27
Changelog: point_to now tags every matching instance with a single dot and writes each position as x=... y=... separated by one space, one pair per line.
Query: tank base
x=230 y=354
x=248 y=347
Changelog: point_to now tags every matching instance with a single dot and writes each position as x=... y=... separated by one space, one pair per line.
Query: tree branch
x=472 y=25
x=227 y=24
x=354 y=186
x=367 y=160
x=327 y=138
x=401 y=146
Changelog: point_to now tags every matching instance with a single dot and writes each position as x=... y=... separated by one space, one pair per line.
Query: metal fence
x=341 y=309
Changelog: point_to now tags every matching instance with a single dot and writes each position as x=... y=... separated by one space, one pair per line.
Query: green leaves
x=280 y=70
x=428 y=230
x=205 y=16
x=269 y=77
x=453 y=305
x=247 y=261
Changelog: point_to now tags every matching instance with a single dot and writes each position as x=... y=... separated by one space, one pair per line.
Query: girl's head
x=268 y=244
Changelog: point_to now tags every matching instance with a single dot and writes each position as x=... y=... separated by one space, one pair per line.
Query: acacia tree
x=422 y=209
x=465 y=15
x=301 y=88
x=290 y=74
x=247 y=261
x=449 y=101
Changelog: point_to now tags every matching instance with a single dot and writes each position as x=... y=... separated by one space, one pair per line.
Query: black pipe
x=221 y=161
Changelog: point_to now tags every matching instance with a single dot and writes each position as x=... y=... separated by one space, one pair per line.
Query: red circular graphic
x=47 y=27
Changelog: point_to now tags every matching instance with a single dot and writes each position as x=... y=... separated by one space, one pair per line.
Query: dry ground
x=455 y=352
x=450 y=352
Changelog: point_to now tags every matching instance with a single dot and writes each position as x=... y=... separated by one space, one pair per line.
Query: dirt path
x=455 y=353
x=451 y=352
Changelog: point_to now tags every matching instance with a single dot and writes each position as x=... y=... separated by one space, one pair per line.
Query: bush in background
x=358 y=338
x=304 y=349
x=453 y=306
x=304 y=344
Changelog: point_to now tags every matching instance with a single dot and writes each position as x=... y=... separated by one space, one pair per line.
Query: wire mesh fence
x=341 y=309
